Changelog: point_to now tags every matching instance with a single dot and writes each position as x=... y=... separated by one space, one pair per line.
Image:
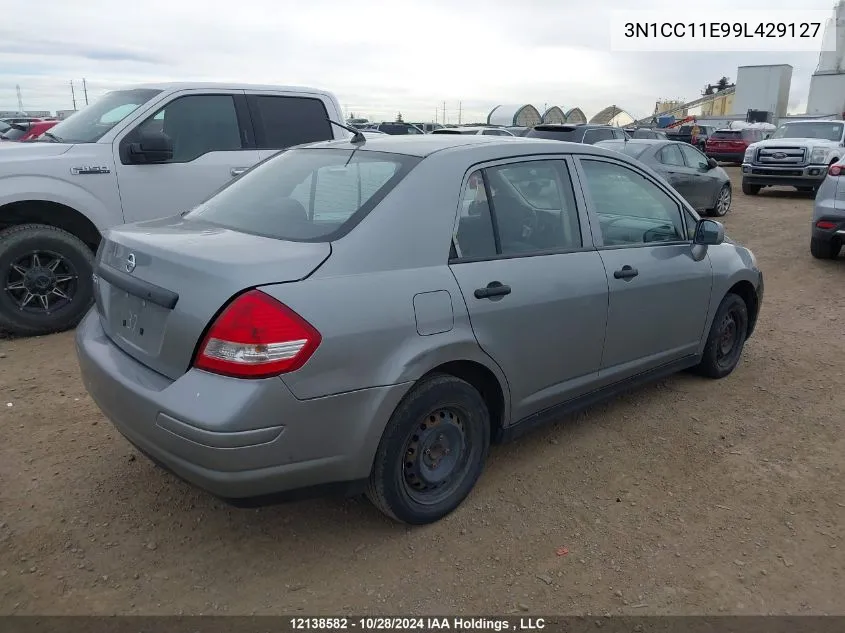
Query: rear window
x=727 y=135
x=306 y=195
x=398 y=128
x=558 y=134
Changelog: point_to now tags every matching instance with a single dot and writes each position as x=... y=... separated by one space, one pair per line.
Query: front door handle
x=626 y=272
x=237 y=171
x=493 y=289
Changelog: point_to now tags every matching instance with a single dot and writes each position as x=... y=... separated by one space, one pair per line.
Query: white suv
x=139 y=153
x=797 y=154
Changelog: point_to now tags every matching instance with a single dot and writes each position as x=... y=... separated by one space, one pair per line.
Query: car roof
x=488 y=147
x=174 y=86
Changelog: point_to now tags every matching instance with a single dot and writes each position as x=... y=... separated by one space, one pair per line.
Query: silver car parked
x=828 y=230
x=373 y=315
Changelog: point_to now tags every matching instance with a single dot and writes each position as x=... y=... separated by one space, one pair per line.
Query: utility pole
x=460 y=108
x=20 y=99
x=444 y=113
x=85 y=90
x=73 y=95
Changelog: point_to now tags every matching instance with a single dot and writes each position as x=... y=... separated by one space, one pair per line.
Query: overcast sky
x=379 y=58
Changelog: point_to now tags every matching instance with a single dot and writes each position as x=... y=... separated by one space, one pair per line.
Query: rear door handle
x=493 y=289
x=626 y=272
x=237 y=171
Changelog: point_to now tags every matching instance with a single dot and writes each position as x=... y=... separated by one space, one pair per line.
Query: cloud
x=379 y=59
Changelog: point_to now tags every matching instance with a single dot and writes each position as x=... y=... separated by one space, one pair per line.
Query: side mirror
x=709 y=233
x=711 y=163
x=767 y=137
x=153 y=147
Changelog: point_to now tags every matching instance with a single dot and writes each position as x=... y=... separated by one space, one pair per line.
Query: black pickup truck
x=684 y=134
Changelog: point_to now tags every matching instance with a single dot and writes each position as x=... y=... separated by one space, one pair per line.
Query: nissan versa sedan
x=371 y=315
x=700 y=180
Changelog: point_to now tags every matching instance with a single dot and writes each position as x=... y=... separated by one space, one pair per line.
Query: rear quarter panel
x=362 y=299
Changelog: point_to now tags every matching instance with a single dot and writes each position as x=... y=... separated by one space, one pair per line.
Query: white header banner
x=722 y=31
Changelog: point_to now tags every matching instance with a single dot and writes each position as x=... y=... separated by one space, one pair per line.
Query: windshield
x=827 y=130
x=306 y=195
x=4 y=127
x=92 y=122
x=732 y=135
x=15 y=133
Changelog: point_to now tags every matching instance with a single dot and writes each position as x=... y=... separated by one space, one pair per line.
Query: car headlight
x=749 y=155
x=818 y=155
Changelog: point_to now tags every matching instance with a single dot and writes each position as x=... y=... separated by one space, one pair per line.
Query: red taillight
x=825 y=225
x=256 y=336
x=835 y=170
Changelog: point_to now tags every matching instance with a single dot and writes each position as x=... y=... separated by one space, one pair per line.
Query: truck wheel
x=824 y=249
x=749 y=189
x=46 y=277
x=432 y=452
x=726 y=338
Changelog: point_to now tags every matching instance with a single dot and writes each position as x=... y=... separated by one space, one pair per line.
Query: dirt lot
x=690 y=496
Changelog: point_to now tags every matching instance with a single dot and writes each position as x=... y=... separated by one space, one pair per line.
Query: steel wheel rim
x=436 y=456
x=728 y=338
x=724 y=203
x=41 y=282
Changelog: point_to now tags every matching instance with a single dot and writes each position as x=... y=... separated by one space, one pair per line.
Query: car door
x=533 y=284
x=660 y=285
x=673 y=168
x=212 y=144
x=285 y=120
x=704 y=185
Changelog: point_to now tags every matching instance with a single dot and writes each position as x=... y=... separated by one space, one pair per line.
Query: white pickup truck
x=797 y=154
x=139 y=153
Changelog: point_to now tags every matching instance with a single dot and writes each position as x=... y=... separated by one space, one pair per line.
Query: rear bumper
x=809 y=176
x=237 y=439
x=726 y=157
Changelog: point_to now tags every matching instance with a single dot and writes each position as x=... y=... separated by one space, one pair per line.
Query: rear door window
x=306 y=194
x=284 y=121
x=671 y=155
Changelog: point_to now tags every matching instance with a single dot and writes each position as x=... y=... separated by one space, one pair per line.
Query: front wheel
x=750 y=190
x=46 y=277
x=723 y=202
x=432 y=451
x=726 y=339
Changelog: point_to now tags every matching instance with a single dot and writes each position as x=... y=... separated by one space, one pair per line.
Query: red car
x=729 y=145
x=26 y=131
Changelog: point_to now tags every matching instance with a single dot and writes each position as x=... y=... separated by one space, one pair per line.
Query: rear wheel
x=726 y=339
x=750 y=190
x=45 y=279
x=723 y=202
x=824 y=249
x=432 y=451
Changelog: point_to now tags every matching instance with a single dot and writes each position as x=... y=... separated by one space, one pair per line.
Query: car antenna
x=357 y=135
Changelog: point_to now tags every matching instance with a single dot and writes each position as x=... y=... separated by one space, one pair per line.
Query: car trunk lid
x=159 y=284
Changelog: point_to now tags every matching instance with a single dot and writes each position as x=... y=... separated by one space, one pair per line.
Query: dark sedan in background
x=705 y=185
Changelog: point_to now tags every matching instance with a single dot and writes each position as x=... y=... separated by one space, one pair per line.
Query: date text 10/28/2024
x=423 y=624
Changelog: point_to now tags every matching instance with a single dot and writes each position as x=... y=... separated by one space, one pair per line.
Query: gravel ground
x=690 y=496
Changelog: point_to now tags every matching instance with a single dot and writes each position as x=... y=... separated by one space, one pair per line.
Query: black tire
x=400 y=483
x=66 y=289
x=824 y=249
x=730 y=325
x=750 y=190
x=722 y=206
